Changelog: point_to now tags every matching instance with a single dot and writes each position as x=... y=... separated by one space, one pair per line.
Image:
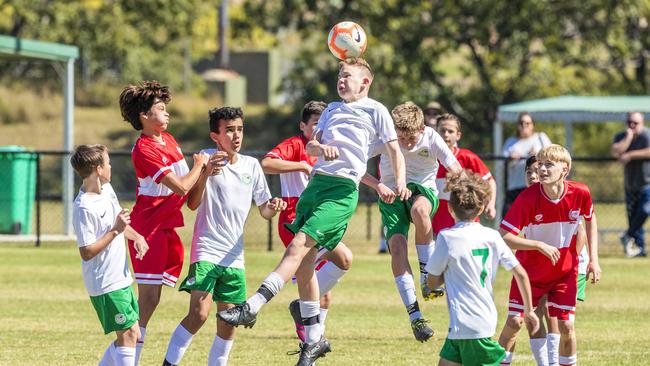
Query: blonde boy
x=549 y=214
x=100 y=225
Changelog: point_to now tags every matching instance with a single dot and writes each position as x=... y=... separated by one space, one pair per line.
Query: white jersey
x=219 y=226
x=524 y=148
x=93 y=216
x=353 y=128
x=421 y=161
x=468 y=254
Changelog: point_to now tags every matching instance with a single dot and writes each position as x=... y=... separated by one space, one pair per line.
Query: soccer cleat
x=294 y=310
x=167 y=363
x=238 y=315
x=629 y=246
x=429 y=294
x=309 y=353
x=421 y=330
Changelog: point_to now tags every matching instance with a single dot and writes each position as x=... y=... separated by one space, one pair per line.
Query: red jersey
x=293 y=149
x=156 y=206
x=555 y=222
x=467 y=160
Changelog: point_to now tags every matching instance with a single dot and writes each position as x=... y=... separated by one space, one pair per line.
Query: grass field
x=48 y=319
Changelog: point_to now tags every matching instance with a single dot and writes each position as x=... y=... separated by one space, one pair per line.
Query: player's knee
x=421 y=212
x=566 y=326
x=130 y=336
x=515 y=323
x=345 y=259
x=149 y=299
x=398 y=246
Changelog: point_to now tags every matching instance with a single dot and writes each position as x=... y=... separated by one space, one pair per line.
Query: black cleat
x=238 y=315
x=309 y=353
x=167 y=363
x=421 y=330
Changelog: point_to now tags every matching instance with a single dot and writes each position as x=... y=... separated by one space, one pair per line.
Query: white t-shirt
x=353 y=128
x=524 y=148
x=468 y=254
x=219 y=227
x=93 y=215
x=421 y=161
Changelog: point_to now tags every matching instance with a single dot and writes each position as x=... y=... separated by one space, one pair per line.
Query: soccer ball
x=347 y=39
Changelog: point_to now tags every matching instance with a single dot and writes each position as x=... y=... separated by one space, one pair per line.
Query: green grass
x=48 y=319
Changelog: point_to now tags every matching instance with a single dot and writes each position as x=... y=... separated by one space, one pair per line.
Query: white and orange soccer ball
x=347 y=39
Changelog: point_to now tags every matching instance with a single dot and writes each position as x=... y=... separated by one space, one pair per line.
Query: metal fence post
x=38 y=199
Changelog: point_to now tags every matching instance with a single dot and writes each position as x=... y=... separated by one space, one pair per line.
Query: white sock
x=553 y=346
x=406 y=288
x=507 y=360
x=321 y=318
x=178 y=344
x=107 y=359
x=568 y=360
x=539 y=350
x=309 y=311
x=139 y=344
x=124 y=356
x=328 y=276
x=270 y=287
x=424 y=253
x=219 y=351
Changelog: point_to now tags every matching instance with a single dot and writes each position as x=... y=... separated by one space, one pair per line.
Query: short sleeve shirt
x=636 y=172
x=292 y=149
x=219 y=227
x=468 y=254
x=524 y=148
x=467 y=160
x=93 y=215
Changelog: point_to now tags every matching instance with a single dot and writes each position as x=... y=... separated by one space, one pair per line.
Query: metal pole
x=224 y=54
x=499 y=169
x=38 y=199
x=68 y=142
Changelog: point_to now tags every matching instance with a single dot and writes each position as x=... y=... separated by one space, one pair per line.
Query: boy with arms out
x=553 y=335
x=422 y=147
x=290 y=159
x=223 y=202
x=465 y=259
x=449 y=130
x=345 y=133
x=163 y=181
x=549 y=214
x=100 y=225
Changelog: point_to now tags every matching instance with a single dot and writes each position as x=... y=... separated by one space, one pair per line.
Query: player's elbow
x=86 y=254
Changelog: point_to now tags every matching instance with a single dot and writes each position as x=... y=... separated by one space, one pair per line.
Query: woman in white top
x=517 y=150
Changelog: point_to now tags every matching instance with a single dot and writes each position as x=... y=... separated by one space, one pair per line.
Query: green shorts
x=582 y=286
x=324 y=209
x=226 y=284
x=396 y=217
x=470 y=352
x=117 y=310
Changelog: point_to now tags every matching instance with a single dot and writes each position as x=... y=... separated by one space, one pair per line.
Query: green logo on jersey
x=424 y=153
x=246 y=178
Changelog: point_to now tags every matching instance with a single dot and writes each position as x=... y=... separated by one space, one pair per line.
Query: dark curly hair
x=136 y=99
x=223 y=114
x=311 y=108
x=469 y=194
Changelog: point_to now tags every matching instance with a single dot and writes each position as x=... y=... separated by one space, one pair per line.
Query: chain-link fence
x=604 y=176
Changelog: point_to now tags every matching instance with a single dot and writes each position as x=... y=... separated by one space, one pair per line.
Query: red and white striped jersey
x=156 y=206
x=467 y=160
x=555 y=222
x=292 y=149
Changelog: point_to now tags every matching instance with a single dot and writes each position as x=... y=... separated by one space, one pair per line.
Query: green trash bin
x=18 y=188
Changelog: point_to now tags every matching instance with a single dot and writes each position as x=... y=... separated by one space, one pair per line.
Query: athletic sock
x=328 y=276
x=270 y=287
x=568 y=360
x=406 y=288
x=139 y=344
x=424 y=253
x=108 y=359
x=124 y=356
x=219 y=351
x=321 y=318
x=553 y=346
x=539 y=350
x=178 y=344
x=507 y=360
x=309 y=310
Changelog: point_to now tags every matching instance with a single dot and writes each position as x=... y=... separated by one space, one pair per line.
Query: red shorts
x=163 y=262
x=561 y=299
x=286 y=217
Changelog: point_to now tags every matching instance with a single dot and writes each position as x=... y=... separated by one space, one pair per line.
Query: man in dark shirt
x=632 y=148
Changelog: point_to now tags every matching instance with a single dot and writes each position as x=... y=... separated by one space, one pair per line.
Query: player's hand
x=122 y=220
x=141 y=247
x=386 y=194
x=403 y=192
x=200 y=159
x=329 y=152
x=490 y=212
x=549 y=251
x=305 y=168
x=532 y=321
x=215 y=162
x=593 y=268
x=276 y=204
